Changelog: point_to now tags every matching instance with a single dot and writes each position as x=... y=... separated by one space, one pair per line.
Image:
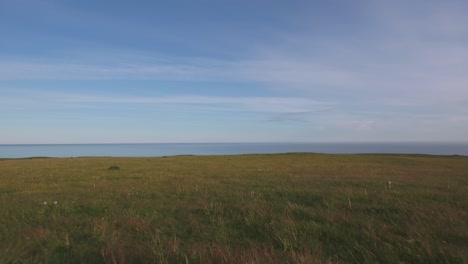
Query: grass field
x=288 y=208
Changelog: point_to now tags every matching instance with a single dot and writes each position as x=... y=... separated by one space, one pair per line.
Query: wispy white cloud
x=458 y=118
x=223 y=103
x=306 y=116
x=82 y=70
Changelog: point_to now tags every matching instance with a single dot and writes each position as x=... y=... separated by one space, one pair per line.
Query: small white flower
x=55 y=202
x=45 y=203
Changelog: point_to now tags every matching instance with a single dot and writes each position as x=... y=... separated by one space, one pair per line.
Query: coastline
x=172 y=149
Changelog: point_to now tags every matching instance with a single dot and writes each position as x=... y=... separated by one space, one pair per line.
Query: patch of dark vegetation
x=302 y=198
x=7 y=191
x=113 y=167
x=458 y=156
x=40 y=157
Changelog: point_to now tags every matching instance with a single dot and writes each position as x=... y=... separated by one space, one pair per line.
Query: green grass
x=289 y=208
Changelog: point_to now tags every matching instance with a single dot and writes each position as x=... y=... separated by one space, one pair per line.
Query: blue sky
x=233 y=71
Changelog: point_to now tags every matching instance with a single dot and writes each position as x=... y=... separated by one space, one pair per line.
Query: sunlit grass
x=297 y=208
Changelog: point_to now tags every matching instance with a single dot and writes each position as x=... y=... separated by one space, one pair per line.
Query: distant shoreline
x=174 y=149
x=235 y=155
x=216 y=143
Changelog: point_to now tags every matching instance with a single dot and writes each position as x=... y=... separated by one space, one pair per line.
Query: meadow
x=283 y=208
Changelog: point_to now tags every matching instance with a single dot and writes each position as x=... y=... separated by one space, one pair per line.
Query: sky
x=233 y=71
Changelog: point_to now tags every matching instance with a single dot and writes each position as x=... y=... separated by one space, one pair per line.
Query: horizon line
x=240 y=142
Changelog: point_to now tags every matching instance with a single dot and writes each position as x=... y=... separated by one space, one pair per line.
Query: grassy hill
x=296 y=208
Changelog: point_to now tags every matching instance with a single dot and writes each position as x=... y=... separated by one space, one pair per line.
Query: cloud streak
x=233 y=104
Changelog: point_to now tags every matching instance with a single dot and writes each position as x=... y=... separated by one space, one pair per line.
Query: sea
x=173 y=149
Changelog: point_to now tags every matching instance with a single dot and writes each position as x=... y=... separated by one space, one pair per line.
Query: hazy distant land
x=172 y=149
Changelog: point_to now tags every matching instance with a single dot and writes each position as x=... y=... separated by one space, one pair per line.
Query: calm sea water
x=169 y=149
